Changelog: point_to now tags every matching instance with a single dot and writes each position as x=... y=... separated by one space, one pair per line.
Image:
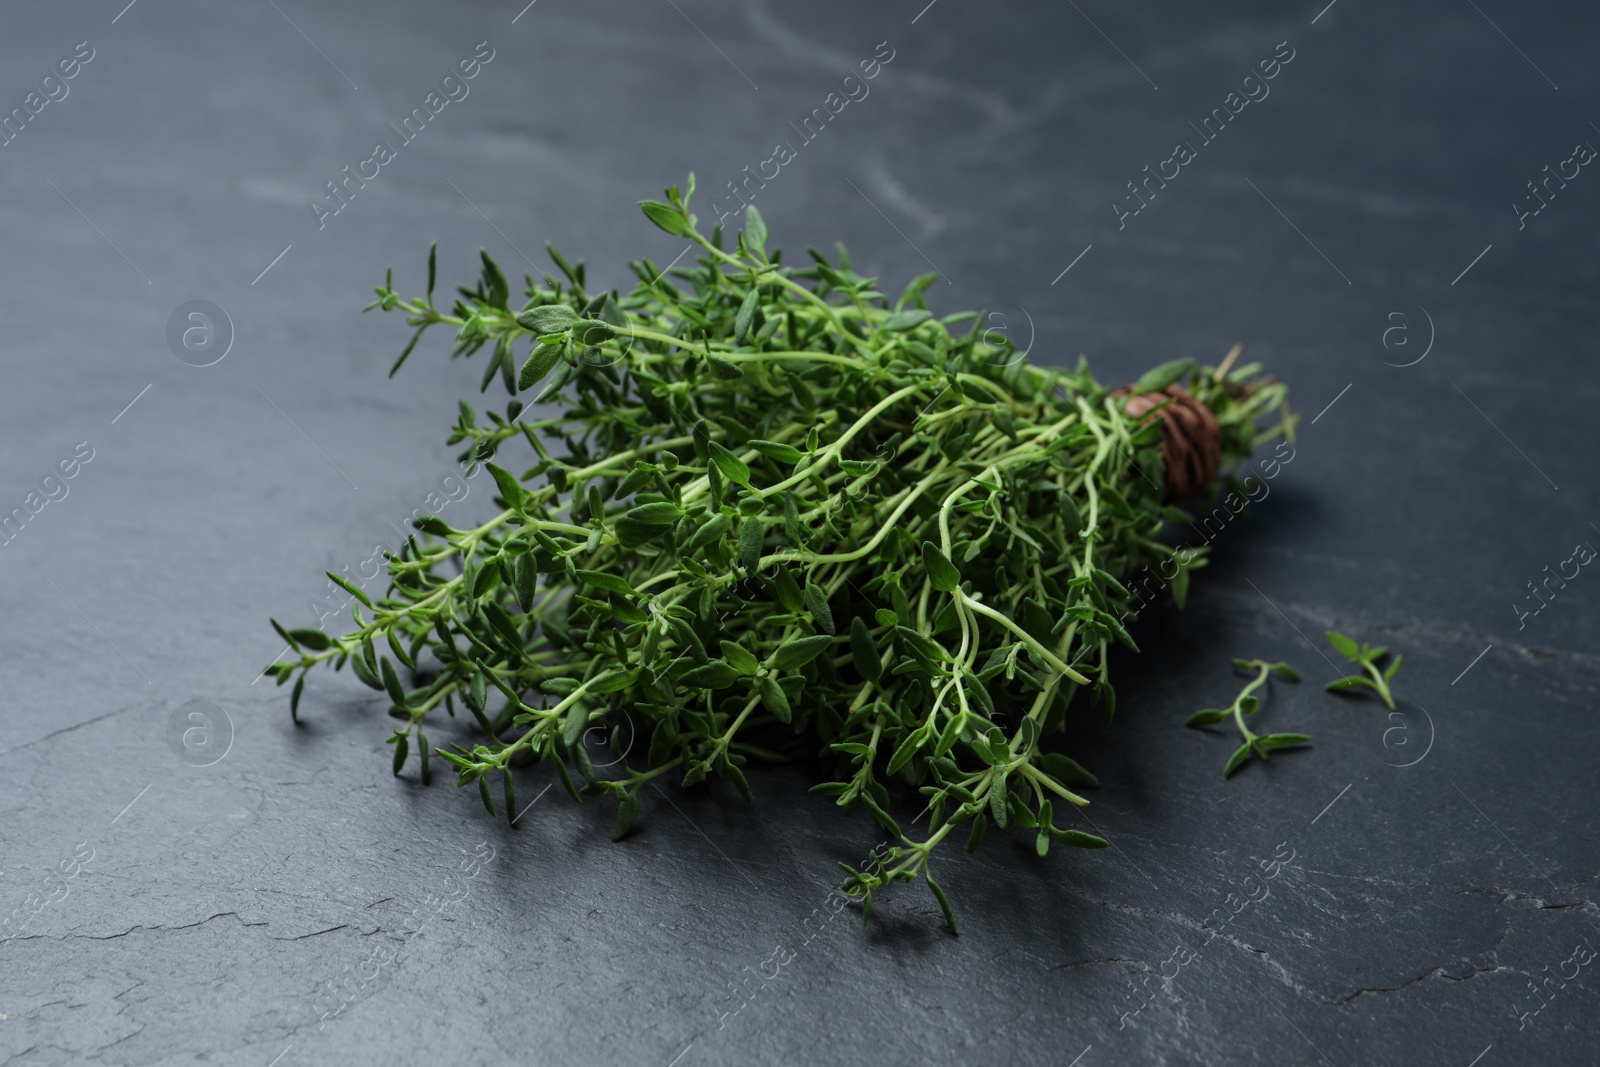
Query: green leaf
x=1036 y=620
x=864 y=650
x=626 y=610
x=477 y=695
x=276 y=625
x=777 y=450
x=573 y=725
x=977 y=692
x=364 y=670
x=496 y=288
x=306 y=636
x=1079 y=839
x=1393 y=666
x=1346 y=647
x=980 y=823
x=1284 y=740
x=751 y=533
x=1354 y=681
x=817 y=604
x=997 y=800
x=747 y=314
x=548 y=319
x=1207 y=717
x=992 y=750
x=732 y=467
x=879 y=815
x=1071 y=518
x=566 y=779
x=432 y=524
x=593 y=332
x=907 y=748
x=713 y=675
x=1286 y=672
x=559 y=381
x=798 y=651
x=755 y=231
x=942 y=574
x=348 y=586
x=787 y=591
x=948 y=736
x=725 y=369
x=503 y=624
x=944 y=901
x=631 y=533
x=791 y=520
x=1158 y=378
x=573 y=276
x=922 y=643
x=906 y=320
x=526 y=570
x=609 y=582
x=611 y=681
x=627 y=812
x=1249 y=705
x=660 y=513
x=401 y=748
x=741 y=658
x=1118 y=630
x=1236 y=760
x=711 y=531
x=732 y=771
x=665 y=216
x=510 y=488
x=391 y=682
x=774 y=700
x=538 y=364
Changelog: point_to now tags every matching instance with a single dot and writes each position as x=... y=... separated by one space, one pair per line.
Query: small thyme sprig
x=1367 y=658
x=1246 y=703
x=769 y=512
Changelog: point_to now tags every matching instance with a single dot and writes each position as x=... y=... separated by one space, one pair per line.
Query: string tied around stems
x=1191 y=438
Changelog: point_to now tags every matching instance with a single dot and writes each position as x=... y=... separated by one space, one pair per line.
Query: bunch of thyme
x=776 y=514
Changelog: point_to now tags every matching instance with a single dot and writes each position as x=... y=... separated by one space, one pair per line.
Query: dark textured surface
x=1417 y=908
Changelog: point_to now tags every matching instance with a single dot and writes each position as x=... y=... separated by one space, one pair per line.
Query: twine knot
x=1191 y=439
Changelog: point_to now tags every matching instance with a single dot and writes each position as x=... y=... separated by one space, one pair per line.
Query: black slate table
x=1399 y=223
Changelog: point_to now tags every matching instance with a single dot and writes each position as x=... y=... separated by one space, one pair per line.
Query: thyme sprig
x=1369 y=660
x=1247 y=703
x=775 y=513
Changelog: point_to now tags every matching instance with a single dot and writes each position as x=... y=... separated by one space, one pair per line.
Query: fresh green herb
x=775 y=513
x=1246 y=703
x=1368 y=659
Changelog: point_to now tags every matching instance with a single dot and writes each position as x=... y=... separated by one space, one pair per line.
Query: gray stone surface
x=220 y=907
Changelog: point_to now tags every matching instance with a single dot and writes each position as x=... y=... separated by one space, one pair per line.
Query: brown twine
x=1191 y=439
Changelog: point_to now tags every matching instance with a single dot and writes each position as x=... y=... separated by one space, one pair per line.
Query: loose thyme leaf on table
x=1368 y=659
x=772 y=513
x=1246 y=703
